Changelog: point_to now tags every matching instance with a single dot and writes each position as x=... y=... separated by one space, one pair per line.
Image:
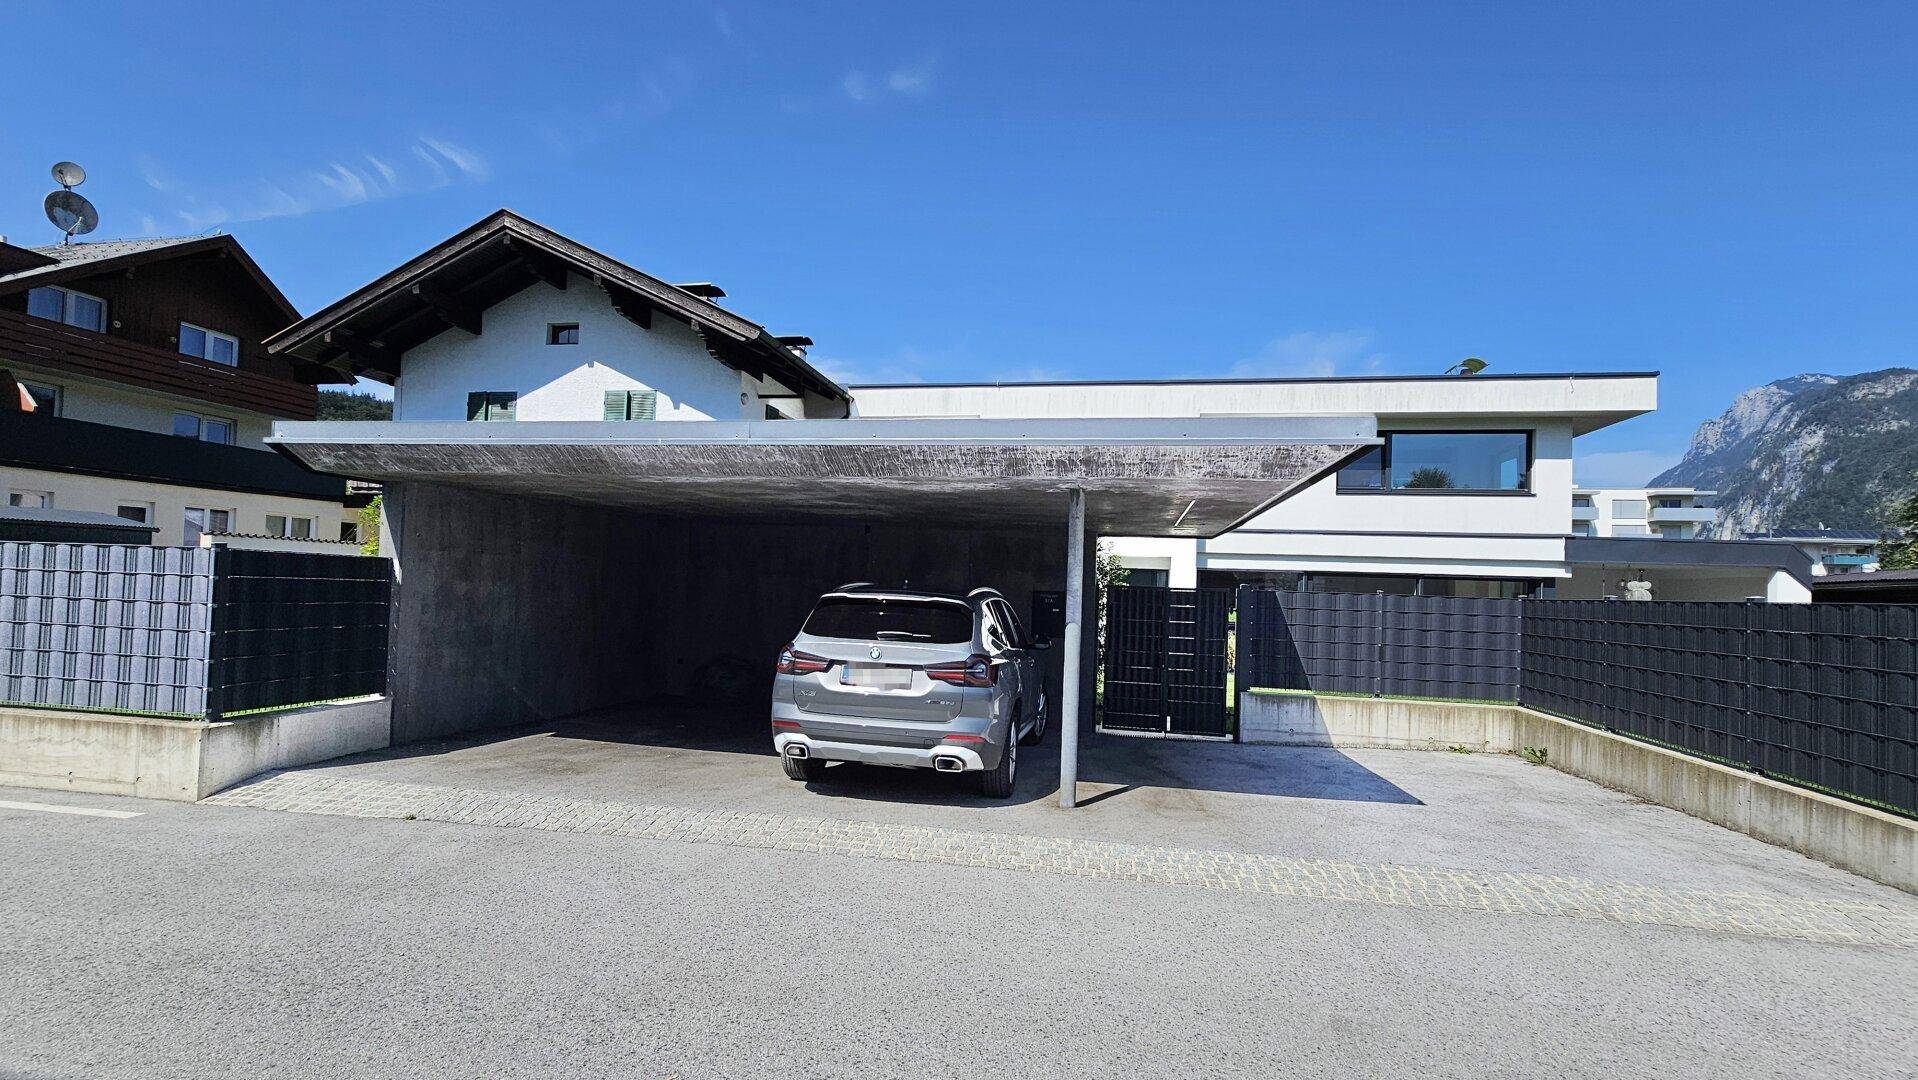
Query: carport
x=552 y=568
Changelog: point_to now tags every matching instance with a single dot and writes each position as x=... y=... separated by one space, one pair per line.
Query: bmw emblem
x=875 y=652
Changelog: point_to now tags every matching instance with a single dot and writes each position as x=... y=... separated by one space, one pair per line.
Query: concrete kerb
x=181 y=760
x=1854 y=837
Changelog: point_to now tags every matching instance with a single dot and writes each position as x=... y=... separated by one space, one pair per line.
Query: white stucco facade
x=569 y=382
x=1507 y=536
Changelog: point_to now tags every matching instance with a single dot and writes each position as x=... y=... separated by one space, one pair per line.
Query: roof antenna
x=1471 y=365
x=70 y=211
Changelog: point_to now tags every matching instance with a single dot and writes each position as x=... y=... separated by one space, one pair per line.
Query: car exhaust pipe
x=797 y=750
x=948 y=763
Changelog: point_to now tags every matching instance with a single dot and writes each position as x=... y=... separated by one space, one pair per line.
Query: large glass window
x=1633 y=509
x=1461 y=461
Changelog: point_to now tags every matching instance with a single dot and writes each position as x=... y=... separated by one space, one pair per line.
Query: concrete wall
x=514 y=610
x=167 y=503
x=569 y=382
x=177 y=759
x=1878 y=845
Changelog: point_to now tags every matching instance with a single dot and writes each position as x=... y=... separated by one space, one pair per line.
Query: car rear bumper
x=799 y=744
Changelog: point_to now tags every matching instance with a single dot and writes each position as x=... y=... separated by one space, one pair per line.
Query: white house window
x=286 y=525
x=562 y=333
x=32 y=500
x=211 y=429
x=209 y=344
x=350 y=531
x=140 y=512
x=201 y=520
x=46 y=397
x=1633 y=509
x=65 y=305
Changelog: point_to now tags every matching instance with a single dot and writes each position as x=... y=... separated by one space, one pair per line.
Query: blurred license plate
x=880 y=676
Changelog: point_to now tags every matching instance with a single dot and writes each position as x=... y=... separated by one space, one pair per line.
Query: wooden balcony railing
x=31 y=342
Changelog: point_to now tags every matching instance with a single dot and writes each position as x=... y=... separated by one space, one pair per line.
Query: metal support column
x=1075 y=629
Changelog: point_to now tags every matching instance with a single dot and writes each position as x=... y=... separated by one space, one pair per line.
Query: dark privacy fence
x=290 y=627
x=1825 y=693
x=1819 y=693
x=188 y=631
x=1372 y=643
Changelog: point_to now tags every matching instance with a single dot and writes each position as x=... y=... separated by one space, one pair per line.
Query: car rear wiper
x=907 y=634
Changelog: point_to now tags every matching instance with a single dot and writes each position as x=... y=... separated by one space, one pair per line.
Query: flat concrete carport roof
x=1194 y=477
x=1141 y=477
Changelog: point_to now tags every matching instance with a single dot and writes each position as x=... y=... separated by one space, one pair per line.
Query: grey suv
x=913 y=679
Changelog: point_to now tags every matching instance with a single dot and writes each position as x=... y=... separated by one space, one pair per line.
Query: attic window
x=562 y=333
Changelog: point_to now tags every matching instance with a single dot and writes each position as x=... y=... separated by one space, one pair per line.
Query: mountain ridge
x=1808 y=451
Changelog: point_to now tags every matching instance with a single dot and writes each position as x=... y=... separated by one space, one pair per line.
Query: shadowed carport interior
x=550 y=569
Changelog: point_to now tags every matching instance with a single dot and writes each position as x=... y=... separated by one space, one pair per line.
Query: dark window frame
x=556 y=332
x=1385 y=465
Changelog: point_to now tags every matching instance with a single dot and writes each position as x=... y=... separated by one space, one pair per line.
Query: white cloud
x=856 y=86
x=433 y=163
x=1314 y=353
x=910 y=366
x=913 y=79
x=906 y=80
x=472 y=165
x=1621 y=468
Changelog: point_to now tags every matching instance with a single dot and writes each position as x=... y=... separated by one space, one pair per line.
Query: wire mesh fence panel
x=116 y=627
x=1825 y=694
x=291 y=627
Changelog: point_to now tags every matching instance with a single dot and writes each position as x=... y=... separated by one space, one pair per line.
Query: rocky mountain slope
x=1808 y=451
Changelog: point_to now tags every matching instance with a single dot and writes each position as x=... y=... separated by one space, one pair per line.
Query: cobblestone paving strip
x=1852 y=922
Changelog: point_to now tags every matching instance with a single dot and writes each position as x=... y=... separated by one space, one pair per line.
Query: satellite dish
x=69 y=174
x=71 y=213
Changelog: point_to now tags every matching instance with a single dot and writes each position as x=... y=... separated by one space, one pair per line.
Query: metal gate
x=1165 y=662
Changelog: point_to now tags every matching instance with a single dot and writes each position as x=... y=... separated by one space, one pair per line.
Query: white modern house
x=1667 y=513
x=1470 y=495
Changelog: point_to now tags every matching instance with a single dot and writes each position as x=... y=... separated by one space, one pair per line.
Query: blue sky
x=1723 y=192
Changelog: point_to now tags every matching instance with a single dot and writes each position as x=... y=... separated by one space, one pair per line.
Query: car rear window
x=891 y=620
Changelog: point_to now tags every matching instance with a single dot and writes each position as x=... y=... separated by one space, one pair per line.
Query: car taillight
x=974 y=670
x=794 y=662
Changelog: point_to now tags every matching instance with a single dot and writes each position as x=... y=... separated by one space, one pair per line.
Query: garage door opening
x=572 y=570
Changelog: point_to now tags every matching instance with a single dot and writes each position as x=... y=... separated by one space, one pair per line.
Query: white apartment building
x=1667 y=513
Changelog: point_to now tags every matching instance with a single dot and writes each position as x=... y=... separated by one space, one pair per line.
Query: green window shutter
x=476 y=406
x=615 y=405
x=642 y=405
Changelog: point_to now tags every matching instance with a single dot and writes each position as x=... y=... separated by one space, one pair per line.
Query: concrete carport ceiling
x=1142 y=477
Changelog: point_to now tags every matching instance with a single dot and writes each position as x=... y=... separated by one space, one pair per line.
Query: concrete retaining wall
x=183 y=760
x=1872 y=843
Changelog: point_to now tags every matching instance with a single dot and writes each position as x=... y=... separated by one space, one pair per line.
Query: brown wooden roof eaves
x=495 y=258
x=82 y=260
